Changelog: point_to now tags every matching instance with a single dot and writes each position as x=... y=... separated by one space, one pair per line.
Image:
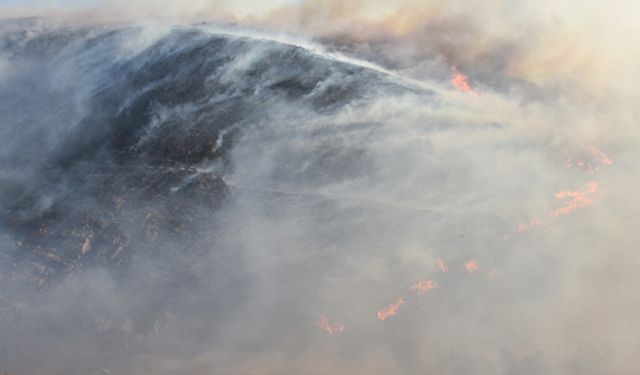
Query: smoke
x=319 y=187
x=552 y=44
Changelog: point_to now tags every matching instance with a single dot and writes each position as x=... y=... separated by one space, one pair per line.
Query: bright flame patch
x=460 y=81
x=390 y=310
x=573 y=200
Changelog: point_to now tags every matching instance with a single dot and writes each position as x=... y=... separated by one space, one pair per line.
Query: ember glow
x=572 y=200
x=581 y=164
x=329 y=327
x=533 y=223
x=390 y=310
x=423 y=287
x=460 y=81
x=591 y=160
x=441 y=265
x=471 y=266
x=600 y=156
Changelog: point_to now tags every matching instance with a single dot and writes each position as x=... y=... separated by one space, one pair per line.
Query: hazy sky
x=49 y=2
x=239 y=9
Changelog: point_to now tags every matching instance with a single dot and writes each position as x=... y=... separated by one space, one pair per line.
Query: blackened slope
x=123 y=149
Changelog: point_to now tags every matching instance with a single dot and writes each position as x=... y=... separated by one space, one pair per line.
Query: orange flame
x=326 y=326
x=573 y=200
x=422 y=287
x=471 y=266
x=601 y=156
x=582 y=165
x=459 y=81
x=525 y=227
x=441 y=266
x=598 y=159
x=390 y=310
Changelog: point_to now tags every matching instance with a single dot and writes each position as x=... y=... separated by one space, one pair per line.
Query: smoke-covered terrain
x=221 y=198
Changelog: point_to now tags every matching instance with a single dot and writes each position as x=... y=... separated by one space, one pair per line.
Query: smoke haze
x=319 y=187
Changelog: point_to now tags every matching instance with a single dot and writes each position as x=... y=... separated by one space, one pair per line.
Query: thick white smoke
x=371 y=170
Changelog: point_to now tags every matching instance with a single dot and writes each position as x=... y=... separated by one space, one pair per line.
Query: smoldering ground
x=230 y=199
